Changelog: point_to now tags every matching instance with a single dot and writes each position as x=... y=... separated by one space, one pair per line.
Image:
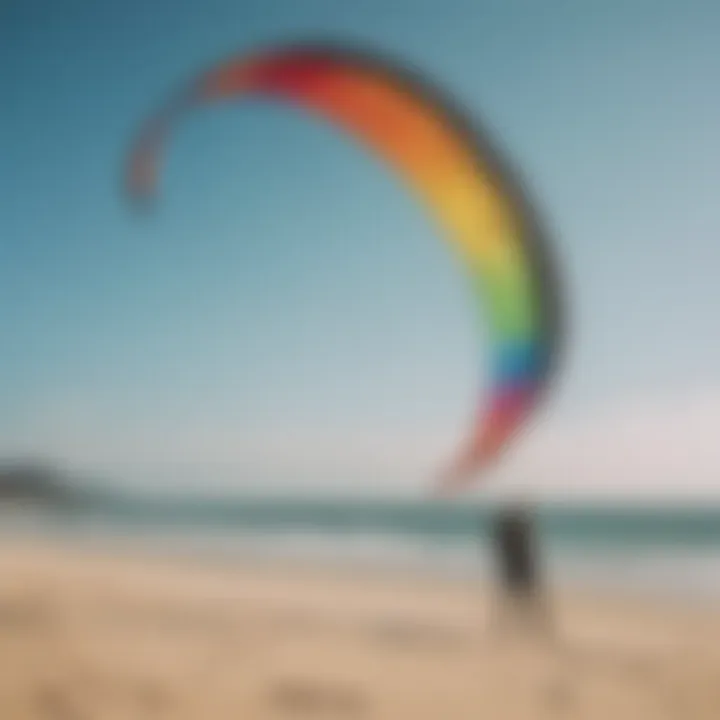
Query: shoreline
x=421 y=572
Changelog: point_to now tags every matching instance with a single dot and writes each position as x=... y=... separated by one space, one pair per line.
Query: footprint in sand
x=304 y=698
x=53 y=703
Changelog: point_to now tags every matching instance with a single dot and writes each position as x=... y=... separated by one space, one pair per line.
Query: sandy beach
x=102 y=635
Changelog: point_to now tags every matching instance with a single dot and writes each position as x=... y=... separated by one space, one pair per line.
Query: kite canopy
x=453 y=168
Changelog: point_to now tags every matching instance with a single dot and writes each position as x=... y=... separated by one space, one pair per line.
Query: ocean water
x=673 y=550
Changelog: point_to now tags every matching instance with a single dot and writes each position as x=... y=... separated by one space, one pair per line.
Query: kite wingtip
x=449 y=482
x=141 y=203
x=463 y=472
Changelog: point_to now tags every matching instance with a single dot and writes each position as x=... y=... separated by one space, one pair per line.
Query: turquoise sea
x=673 y=549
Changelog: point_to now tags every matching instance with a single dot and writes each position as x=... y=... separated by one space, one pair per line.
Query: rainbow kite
x=453 y=168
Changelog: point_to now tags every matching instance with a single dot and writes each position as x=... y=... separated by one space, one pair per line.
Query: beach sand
x=101 y=635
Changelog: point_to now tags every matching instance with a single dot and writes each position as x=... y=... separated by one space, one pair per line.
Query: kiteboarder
x=521 y=595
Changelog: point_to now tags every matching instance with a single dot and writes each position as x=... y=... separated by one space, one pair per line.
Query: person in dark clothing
x=515 y=551
x=521 y=596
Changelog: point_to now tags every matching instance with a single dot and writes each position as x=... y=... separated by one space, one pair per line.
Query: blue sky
x=288 y=315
